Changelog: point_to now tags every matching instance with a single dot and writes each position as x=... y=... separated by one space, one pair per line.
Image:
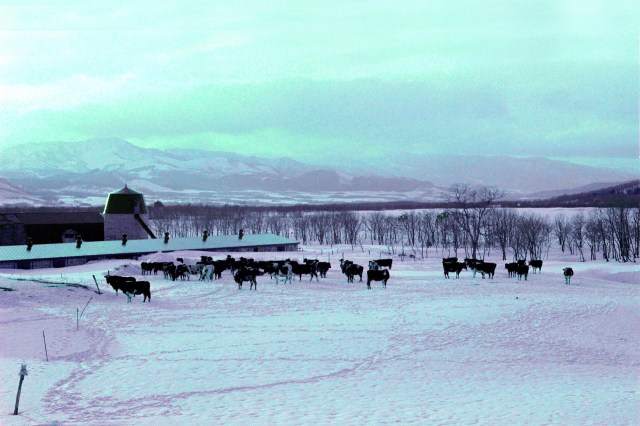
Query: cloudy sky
x=312 y=80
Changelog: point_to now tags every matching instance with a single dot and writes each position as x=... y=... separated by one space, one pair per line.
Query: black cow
x=243 y=275
x=471 y=262
x=160 y=266
x=136 y=287
x=568 y=273
x=219 y=266
x=456 y=267
x=298 y=269
x=344 y=264
x=535 y=264
x=182 y=271
x=484 y=268
x=352 y=270
x=449 y=260
x=116 y=281
x=146 y=267
x=523 y=270
x=384 y=263
x=382 y=275
x=169 y=271
x=512 y=269
x=323 y=268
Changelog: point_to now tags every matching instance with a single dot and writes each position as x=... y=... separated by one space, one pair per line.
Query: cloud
x=542 y=78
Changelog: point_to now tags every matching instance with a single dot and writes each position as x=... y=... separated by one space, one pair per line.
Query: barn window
x=69 y=236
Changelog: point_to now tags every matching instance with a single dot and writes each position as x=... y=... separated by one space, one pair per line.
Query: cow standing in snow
x=568 y=273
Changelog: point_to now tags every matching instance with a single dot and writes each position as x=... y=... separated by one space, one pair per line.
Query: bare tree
x=473 y=206
x=536 y=232
x=427 y=232
x=561 y=230
x=376 y=224
x=351 y=225
x=409 y=224
x=503 y=223
x=577 y=234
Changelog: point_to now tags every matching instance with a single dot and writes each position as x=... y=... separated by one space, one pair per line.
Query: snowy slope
x=10 y=195
x=424 y=350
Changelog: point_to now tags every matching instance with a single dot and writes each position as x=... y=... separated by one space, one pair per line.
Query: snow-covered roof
x=102 y=248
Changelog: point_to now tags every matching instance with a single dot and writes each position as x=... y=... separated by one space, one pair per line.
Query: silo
x=126 y=213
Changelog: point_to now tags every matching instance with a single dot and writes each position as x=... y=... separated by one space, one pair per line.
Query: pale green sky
x=340 y=78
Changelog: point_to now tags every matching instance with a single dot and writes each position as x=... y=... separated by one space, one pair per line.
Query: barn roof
x=138 y=247
x=126 y=190
x=59 y=218
x=124 y=201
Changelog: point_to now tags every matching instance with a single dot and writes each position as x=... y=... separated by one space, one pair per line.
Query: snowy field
x=424 y=350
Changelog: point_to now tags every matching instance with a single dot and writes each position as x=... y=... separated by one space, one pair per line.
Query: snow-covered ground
x=424 y=350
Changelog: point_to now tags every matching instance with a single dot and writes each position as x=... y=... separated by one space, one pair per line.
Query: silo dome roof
x=125 y=201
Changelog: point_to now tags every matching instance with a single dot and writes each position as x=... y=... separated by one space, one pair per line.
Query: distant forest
x=473 y=222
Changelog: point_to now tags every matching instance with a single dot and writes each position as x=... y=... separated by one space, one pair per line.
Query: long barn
x=39 y=256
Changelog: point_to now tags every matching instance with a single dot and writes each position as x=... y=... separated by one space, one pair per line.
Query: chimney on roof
x=166 y=238
x=205 y=235
x=78 y=240
x=124 y=239
x=29 y=243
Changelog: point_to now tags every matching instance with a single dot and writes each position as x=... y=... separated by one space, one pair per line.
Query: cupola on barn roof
x=125 y=201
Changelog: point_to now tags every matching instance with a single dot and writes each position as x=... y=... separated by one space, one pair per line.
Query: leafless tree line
x=614 y=232
x=473 y=228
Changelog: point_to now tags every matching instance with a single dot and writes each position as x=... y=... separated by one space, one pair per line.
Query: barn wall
x=117 y=224
x=41 y=264
x=12 y=234
x=52 y=233
x=75 y=261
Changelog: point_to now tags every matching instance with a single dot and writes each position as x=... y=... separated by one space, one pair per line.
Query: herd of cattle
x=519 y=268
x=247 y=270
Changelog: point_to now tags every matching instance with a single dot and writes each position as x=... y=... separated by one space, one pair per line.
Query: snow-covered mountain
x=94 y=168
x=518 y=176
x=9 y=194
x=86 y=171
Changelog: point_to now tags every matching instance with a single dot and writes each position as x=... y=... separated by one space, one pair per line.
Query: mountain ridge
x=92 y=168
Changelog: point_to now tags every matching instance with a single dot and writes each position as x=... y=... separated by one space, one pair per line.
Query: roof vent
x=205 y=235
x=124 y=239
x=29 y=243
x=78 y=240
x=166 y=237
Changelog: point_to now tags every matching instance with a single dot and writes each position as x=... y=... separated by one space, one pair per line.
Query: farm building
x=126 y=213
x=50 y=228
x=70 y=254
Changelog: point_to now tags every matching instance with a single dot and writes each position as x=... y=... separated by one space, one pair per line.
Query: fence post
x=45 y=345
x=85 y=307
x=94 y=278
x=23 y=372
